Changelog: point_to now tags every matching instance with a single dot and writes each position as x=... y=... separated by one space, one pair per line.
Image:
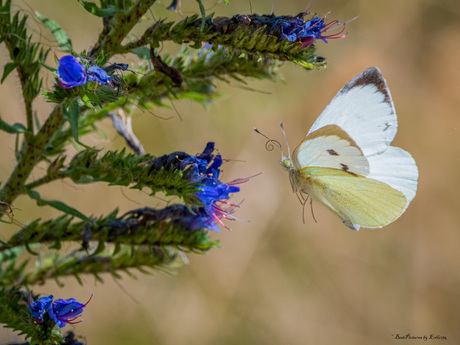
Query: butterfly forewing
x=331 y=147
x=363 y=109
x=357 y=200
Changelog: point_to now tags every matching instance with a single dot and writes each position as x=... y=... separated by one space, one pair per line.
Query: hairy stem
x=123 y=25
x=29 y=157
x=45 y=180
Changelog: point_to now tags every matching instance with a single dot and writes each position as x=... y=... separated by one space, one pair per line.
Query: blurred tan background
x=276 y=280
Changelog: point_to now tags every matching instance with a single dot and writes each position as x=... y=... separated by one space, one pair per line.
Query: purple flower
x=39 y=307
x=306 y=32
x=97 y=74
x=70 y=72
x=66 y=311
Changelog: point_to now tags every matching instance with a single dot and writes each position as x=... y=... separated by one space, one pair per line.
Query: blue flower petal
x=65 y=311
x=39 y=307
x=70 y=72
x=97 y=74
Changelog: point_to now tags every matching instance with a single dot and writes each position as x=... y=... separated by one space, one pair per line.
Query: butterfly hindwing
x=396 y=168
x=357 y=200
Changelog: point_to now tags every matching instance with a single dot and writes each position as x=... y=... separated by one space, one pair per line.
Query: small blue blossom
x=66 y=311
x=198 y=164
x=74 y=72
x=213 y=196
x=39 y=307
x=214 y=190
x=213 y=193
x=306 y=32
x=70 y=72
x=203 y=169
x=97 y=74
x=199 y=219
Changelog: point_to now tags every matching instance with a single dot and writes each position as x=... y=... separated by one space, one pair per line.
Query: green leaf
x=71 y=113
x=142 y=53
x=49 y=68
x=58 y=205
x=92 y=8
x=63 y=40
x=14 y=129
x=203 y=15
x=91 y=97
x=7 y=69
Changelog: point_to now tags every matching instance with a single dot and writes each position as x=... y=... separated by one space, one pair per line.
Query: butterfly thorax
x=299 y=181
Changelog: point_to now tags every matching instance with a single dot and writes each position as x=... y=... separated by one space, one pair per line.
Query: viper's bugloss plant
x=92 y=85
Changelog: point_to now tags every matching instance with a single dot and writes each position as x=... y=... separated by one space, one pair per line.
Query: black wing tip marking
x=372 y=75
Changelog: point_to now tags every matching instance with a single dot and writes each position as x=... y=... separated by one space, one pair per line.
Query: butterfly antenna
x=285 y=137
x=271 y=143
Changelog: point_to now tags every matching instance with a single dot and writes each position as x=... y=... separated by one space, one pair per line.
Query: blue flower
x=203 y=169
x=213 y=193
x=198 y=218
x=306 y=32
x=70 y=72
x=66 y=311
x=214 y=190
x=198 y=164
x=97 y=74
x=39 y=307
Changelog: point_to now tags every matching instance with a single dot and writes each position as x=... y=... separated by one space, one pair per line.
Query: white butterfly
x=346 y=163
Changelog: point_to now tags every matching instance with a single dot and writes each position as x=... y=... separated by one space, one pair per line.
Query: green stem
x=45 y=180
x=27 y=102
x=124 y=23
x=30 y=155
x=28 y=106
x=30 y=121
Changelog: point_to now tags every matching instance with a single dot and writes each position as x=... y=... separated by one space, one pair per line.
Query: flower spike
x=306 y=32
